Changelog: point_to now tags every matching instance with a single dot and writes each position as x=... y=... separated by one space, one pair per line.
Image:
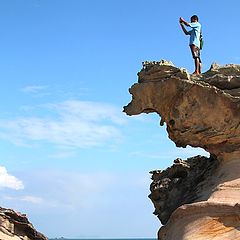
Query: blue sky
x=70 y=158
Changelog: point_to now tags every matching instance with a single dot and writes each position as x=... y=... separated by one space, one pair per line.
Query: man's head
x=194 y=18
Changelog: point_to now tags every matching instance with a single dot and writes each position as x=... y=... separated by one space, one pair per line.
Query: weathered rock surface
x=184 y=182
x=15 y=226
x=196 y=113
x=197 y=198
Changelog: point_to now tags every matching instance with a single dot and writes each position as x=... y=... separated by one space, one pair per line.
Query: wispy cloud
x=56 y=90
x=82 y=198
x=27 y=198
x=69 y=123
x=9 y=181
x=32 y=199
x=34 y=89
x=64 y=189
x=63 y=154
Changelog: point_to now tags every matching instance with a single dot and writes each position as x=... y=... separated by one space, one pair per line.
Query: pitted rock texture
x=198 y=198
x=225 y=77
x=196 y=113
x=15 y=226
x=184 y=182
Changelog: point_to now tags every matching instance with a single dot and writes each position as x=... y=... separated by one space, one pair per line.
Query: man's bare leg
x=197 y=66
x=197 y=61
x=200 y=67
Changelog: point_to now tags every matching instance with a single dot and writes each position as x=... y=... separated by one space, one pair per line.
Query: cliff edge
x=15 y=226
x=197 y=198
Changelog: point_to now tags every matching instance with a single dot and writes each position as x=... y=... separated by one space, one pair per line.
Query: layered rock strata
x=197 y=198
x=184 y=182
x=15 y=226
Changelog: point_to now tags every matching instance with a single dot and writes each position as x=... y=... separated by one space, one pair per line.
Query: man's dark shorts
x=195 y=52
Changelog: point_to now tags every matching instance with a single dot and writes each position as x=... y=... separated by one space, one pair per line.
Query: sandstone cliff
x=197 y=198
x=15 y=226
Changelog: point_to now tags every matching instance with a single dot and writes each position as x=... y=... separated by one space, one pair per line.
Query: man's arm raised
x=181 y=21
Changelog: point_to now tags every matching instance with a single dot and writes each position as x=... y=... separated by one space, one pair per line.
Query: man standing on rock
x=194 y=41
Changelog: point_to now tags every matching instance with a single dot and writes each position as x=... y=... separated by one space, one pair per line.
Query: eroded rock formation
x=197 y=198
x=15 y=226
x=184 y=182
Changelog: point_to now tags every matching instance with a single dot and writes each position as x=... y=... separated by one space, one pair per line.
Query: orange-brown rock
x=197 y=198
x=196 y=113
x=203 y=220
x=15 y=226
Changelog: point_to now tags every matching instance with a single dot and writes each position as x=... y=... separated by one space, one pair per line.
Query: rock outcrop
x=15 y=226
x=184 y=182
x=197 y=198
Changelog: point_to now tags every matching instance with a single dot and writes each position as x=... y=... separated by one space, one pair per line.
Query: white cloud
x=70 y=123
x=33 y=89
x=27 y=198
x=32 y=199
x=9 y=181
x=83 y=199
x=89 y=111
x=63 y=189
x=63 y=154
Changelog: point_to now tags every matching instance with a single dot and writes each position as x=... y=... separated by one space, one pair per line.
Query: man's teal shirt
x=195 y=34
